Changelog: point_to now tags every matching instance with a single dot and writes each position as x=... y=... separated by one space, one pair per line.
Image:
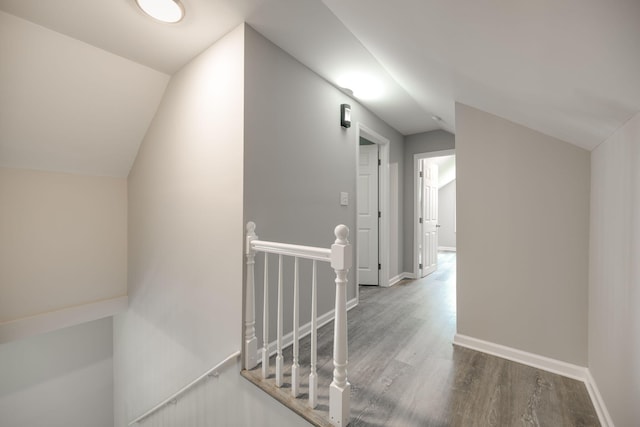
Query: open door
x=368 y=215
x=428 y=220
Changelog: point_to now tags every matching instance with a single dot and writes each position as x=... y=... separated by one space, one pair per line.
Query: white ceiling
x=118 y=26
x=567 y=68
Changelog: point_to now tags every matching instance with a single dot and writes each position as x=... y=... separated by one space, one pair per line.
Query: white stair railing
x=339 y=256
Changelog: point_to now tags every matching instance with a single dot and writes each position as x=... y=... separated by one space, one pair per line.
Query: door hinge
x=379 y=266
x=379 y=162
x=420 y=174
x=420 y=266
x=379 y=214
x=420 y=220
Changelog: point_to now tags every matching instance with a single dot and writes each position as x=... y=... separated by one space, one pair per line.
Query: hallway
x=404 y=371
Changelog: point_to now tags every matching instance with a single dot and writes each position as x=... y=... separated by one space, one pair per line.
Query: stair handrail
x=174 y=397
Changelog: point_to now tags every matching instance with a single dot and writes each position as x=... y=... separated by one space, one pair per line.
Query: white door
x=368 y=215
x=429 y=218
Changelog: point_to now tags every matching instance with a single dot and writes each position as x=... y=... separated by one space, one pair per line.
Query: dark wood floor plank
x=405 y=371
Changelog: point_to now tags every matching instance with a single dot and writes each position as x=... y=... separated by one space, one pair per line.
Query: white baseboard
x=304 y=330
x=598 y=402
x=447 y=248
x=559 y=367
x=70 y=316
x=396 y=279
x=534 y=360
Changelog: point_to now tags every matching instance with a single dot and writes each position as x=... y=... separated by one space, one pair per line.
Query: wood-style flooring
x=404 y=371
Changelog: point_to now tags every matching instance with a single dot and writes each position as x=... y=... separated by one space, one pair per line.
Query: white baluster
x=339 y=400
x=313 y=377
x=250 y=340
x=279 y=358
x=295 y=366
x=265 y=320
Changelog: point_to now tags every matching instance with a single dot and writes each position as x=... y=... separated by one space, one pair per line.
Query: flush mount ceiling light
x=363 y=86
x=169 y=11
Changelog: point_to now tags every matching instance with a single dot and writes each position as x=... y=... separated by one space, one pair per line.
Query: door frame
x=383 y=201
x=416 y=209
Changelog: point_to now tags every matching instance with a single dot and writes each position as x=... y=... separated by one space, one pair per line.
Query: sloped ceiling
x=567 y=68
x=67 y=106
x=82 y=102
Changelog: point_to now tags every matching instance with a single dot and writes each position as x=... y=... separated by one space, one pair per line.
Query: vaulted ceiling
x=80 y=80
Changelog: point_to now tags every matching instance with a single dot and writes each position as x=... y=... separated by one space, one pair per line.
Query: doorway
x=368 y=213
x=433 y=172
x=369 y=247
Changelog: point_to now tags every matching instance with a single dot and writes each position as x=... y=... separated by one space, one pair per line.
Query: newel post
x=250 y=340
x=339 y=391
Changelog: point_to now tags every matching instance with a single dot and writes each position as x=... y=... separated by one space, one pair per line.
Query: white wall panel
x=614 y=280
x=225 y=400
x=185 y=236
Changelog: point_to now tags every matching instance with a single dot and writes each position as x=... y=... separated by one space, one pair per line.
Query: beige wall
x=63 y=241
x=614 y=279
x=523 y=225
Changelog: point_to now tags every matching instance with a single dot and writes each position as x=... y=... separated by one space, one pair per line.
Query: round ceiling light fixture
x=363 y=86
x=169 y=11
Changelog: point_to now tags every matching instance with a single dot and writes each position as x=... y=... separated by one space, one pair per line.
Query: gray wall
x=59 y=379
x=523 y=226
x=446 y=215
x=426 y=142
x=298 y=159
x=614 y=279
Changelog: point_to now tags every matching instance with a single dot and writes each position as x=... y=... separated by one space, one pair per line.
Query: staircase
x=303 y=385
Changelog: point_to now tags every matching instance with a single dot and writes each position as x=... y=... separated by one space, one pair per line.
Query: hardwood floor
x=404 y=371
